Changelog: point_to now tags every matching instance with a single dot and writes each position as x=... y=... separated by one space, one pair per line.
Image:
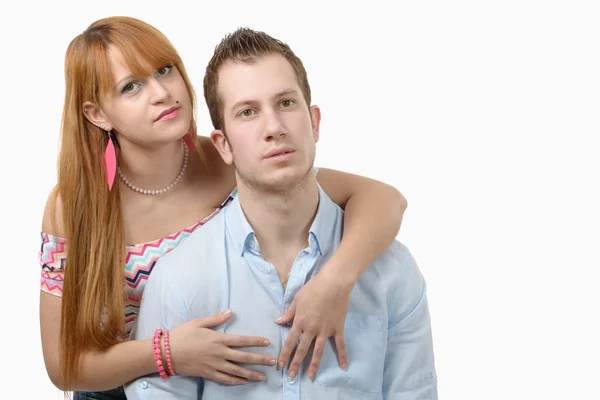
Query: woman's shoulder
x=210 y=155
x=52 y=221
x=217 y=176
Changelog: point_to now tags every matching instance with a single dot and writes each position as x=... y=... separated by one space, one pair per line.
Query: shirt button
x=267 y=270
x=144 y=385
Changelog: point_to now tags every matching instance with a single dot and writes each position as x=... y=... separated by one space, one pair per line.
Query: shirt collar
x=321 y=232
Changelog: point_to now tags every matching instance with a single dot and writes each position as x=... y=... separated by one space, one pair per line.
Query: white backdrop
x=482 y=113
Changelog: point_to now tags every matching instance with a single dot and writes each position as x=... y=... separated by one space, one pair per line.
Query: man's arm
x=409 y=372
x=161 y=307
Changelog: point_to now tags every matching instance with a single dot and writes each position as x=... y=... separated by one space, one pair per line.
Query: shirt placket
x=270 y=279
x=300 y=268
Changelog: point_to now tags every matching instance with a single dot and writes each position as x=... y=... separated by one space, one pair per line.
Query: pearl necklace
x=159 y=191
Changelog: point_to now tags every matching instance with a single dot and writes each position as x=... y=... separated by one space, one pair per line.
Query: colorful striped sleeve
x=52 y=258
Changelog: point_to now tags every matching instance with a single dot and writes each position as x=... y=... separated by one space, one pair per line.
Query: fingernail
x=281 y=365
x=345 y=366
x=292 y=377
x=272 y=362
x=228 y=312
x=260 y=377
x=266 y=342
x=311 y=376
x=279 y=319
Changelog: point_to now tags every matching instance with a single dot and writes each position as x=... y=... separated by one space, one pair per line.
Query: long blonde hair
x=92 y=215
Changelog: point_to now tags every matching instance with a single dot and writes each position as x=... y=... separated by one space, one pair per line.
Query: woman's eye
x=162 y=71
x=130 y=87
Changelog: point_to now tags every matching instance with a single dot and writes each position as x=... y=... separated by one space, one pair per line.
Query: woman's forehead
x=134 y=65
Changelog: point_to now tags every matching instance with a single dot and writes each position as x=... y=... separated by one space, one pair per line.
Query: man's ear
x=315 y=120
x=220 y=141
x=96 y=116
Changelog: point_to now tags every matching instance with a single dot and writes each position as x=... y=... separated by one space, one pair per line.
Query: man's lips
x=279 y=151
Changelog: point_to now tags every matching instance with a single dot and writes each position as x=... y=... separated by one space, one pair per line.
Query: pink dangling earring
x=187 y=139
x=110 y=160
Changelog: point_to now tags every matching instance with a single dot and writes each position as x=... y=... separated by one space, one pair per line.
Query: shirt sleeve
x=409 y=372
x=52 y=258
x=161 y=307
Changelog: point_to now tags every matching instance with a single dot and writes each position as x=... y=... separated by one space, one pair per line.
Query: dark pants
x=114 y=394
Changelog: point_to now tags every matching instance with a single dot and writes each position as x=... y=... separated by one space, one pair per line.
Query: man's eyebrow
x=285 y=92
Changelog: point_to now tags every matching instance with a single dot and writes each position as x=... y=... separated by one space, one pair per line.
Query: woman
x=129 y=114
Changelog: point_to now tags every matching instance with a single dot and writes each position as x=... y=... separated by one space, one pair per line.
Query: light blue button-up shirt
x=219 y=266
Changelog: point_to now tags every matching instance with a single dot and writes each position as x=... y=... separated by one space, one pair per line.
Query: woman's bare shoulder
x=217 y=174
x=52 y=221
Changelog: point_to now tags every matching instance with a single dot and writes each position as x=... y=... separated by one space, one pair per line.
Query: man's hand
x=318 y=312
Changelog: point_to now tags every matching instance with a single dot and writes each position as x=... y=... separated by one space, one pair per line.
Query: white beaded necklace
x=163 y=190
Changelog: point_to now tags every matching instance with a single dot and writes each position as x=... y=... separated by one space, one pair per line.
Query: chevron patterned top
x=139 y=262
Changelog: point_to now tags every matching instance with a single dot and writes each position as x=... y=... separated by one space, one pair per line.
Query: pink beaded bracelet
x=168 y=353
x=157 y=354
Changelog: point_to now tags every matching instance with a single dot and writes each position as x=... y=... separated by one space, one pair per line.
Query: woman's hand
x=318 y=312
x=197 y=350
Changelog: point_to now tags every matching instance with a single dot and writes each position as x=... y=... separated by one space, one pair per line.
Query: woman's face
x=149 y=110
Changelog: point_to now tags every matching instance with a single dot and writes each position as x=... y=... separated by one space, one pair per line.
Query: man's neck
x=281 y=221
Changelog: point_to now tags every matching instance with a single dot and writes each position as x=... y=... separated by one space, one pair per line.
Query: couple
x=269 y=242
x=128 y=111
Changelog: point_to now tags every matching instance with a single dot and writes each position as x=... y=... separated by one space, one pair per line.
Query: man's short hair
x=246 y=45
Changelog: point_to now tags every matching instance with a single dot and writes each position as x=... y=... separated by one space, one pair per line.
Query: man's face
x=271 y=131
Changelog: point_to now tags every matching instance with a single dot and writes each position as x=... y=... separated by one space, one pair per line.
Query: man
x=272 y=239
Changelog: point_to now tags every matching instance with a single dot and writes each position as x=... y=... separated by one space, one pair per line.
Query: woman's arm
x=197 y=349
x=373 y=214
x=99 y=370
